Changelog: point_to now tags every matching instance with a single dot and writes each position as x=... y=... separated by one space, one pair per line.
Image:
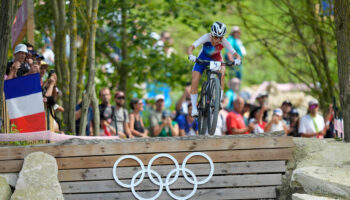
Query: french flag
x=25 y=103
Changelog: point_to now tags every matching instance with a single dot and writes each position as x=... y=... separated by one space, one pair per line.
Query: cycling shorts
x=201 y=67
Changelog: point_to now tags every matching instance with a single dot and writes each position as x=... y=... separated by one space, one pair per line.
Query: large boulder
x=11 y=178
x=38 y=179
x=298 y=196
x=5 y=190
x=321 y=167
x=330 y=181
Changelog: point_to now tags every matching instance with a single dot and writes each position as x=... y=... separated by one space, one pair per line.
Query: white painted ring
x=143 y=172
x=177 y=168
x=210 y=163
x=115 y=171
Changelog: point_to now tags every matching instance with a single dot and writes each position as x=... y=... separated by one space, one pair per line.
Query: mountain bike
x=209 y=100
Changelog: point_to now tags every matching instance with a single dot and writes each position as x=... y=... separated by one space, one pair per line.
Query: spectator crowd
x=237 y=114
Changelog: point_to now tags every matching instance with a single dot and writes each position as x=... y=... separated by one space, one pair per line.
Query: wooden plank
x=201 y=169
x=108 y=161
x=181 y=183
x=201 y=194
x=151 y=145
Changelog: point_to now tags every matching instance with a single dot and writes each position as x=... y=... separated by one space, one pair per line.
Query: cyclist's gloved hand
x=192 y=58
x=238 y=62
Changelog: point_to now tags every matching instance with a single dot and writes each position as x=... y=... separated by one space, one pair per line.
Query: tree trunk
x=60 y=57
x=123 y=70
x=92 y=72
x=342 y=21
x=72 y=67
x=8 y=10
x=83 y=55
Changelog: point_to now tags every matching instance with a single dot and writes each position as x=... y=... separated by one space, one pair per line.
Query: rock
x=38 y=179
x=320 y=167
x=322 y=153
x=11 y=178
x=298 y=196
x=5 y=190
x=330 y=181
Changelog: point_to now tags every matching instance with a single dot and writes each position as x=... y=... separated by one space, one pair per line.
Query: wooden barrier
x=245 y=167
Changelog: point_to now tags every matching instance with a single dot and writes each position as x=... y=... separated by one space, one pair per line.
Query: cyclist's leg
x=196 y=76
x=223 y=70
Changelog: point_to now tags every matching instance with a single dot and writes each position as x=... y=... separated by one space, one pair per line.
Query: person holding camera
x=276 y=123
x=168 y=126
x=51 y=93
x=18 y=67
x=161 y=123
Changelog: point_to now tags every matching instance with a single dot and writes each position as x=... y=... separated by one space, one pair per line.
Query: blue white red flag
x=25 y=103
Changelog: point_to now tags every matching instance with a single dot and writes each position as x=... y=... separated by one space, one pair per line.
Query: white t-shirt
x=221 y=124
x=307 y=125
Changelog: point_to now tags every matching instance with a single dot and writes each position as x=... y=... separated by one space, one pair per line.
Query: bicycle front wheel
x=202 y=114
x=214 y=104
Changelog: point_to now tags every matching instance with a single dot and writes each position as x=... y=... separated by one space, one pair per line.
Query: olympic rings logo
x=159 y=180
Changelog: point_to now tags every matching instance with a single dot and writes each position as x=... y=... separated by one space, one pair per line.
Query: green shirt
x=166 y=131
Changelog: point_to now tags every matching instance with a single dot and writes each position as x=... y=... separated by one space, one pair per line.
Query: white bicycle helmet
x=218 y=29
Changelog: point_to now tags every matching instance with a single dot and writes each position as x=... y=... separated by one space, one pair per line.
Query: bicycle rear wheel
x=214 y=104
x=202 y=116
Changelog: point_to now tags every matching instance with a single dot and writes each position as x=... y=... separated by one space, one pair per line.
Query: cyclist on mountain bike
x=213 y=43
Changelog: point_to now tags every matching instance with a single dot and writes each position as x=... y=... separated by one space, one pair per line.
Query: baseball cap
x=159 y=97
x=21 y=48
x=278 y=112
x=235 y=29
x=287 y=102
x=294 y=111
x=262 y=94
x=313 y=102
x=43 y=63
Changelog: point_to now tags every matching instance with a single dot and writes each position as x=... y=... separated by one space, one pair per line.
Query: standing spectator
x=330 y=122
x=262 y=101
x=221 y=127
x=294 y=123
x=51 y=93
x=237 y=44
x=312 y=124
x=235 y=121
x=43 y=69
x=136 y=125
x=276 y=123
x=168 y=127
x=105 y=109
x=188 y=125
x=245 y=112
x=260 y=124
x=182 y=105
x=120 y=117
x=19 y=66
x=89 y=124
x=286 y=108
x=155 y=118
x=232 y=93
x=49 y=55
x=35 y=68
x=164 y=44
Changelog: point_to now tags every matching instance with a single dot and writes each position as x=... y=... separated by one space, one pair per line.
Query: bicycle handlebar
x=228 y=63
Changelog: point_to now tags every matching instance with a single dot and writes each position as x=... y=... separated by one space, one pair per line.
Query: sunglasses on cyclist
x=120 y=98
x=217 y=38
